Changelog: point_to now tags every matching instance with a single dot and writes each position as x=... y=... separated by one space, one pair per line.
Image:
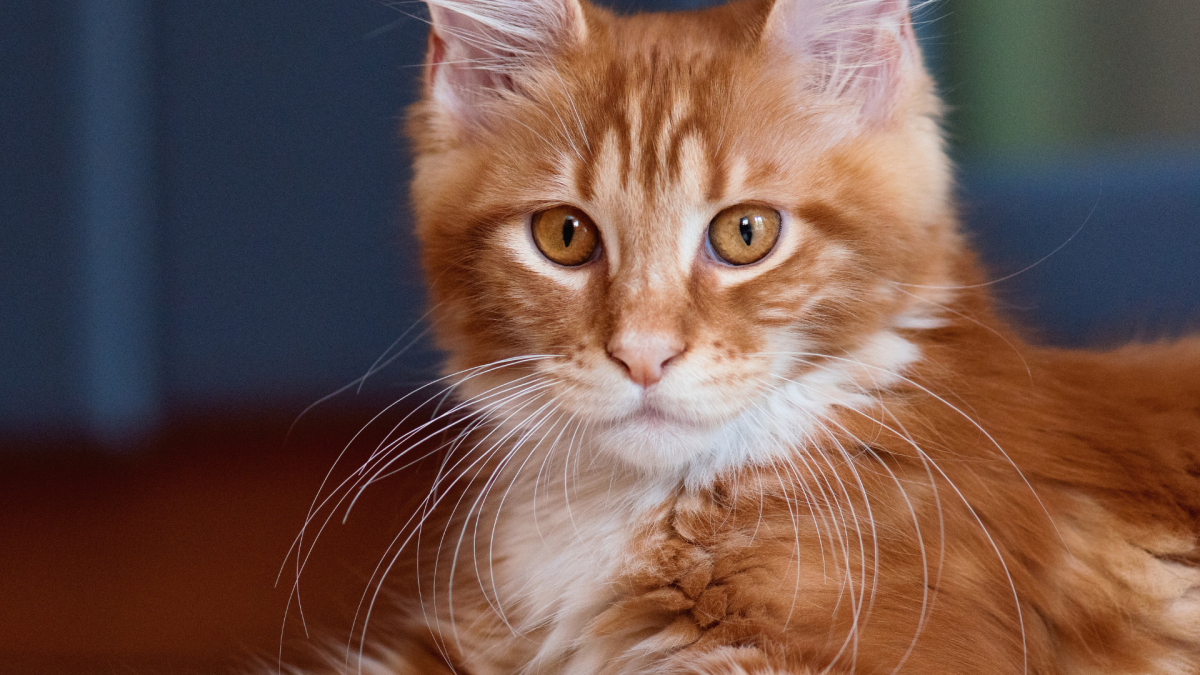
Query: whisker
x=977 y=322
x=971 y=509
x=481 y=500
x=957 y=410
x=382 y=571
x=1051 y=254
x=319 y=504
x=359 y=481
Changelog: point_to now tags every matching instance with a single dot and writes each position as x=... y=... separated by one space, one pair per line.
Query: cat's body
x=832 y=457
x=634 y=574
x=1097 y=536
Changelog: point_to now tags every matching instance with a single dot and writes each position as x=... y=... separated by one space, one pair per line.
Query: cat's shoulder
x=1151 y=378
x=1134 y=412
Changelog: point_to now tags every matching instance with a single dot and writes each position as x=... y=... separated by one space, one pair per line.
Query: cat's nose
x=645 y=355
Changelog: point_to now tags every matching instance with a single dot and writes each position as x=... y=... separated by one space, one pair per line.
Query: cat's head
x=683 y=237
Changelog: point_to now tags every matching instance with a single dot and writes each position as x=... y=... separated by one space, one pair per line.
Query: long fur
x=852 y=463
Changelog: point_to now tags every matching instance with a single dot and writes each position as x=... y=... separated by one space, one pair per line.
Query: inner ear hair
x=863 y=50
x=476 y=47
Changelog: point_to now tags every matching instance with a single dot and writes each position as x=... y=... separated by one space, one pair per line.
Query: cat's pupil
x=568 y=231
x=747 y=230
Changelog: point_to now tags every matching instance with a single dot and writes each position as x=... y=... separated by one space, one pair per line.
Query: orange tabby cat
x=734 y=398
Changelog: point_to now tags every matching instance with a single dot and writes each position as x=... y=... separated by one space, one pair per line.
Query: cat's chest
x=612 y=587
x=609 y=584
x=560 y=552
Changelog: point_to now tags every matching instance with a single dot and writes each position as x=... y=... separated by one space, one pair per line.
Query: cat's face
x=673 y=218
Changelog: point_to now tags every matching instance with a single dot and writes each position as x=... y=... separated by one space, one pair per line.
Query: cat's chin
x=652 y=441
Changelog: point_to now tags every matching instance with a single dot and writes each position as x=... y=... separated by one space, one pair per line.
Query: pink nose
x=645 y=355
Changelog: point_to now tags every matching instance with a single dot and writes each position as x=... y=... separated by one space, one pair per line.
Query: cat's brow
x=652 y=107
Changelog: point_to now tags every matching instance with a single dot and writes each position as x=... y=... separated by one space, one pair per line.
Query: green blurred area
x=1051 y=75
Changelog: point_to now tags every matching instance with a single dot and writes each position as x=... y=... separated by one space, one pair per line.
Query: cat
x=732 y=396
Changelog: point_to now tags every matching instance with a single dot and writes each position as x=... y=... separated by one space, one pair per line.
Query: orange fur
x=854 y=465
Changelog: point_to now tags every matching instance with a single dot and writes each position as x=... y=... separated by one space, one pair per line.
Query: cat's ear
x=864 y=49
x=478 y=48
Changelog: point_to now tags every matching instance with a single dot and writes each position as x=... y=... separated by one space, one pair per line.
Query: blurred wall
x=202 y=205
x=1077 y=128
x=37 y=246
x=1040 y=74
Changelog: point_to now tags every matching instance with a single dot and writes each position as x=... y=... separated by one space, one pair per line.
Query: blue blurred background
x=203 y=206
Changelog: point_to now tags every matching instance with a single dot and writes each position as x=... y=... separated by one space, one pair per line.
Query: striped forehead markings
x=651 y=111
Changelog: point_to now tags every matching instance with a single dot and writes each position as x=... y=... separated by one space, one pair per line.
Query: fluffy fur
x=851 y=464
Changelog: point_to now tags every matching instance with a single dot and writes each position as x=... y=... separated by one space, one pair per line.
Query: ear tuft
x=477 y=47
x=864 y=49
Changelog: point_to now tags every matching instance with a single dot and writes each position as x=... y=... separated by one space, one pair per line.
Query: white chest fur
x=555 y=556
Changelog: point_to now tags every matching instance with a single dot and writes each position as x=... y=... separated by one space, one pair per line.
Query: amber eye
x=565 y=235
x=745 y=233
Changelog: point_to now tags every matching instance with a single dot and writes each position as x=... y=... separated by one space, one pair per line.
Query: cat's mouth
x=653 y=437
x=651 y=416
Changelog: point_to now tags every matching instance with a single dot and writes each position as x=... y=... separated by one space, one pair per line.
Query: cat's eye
x=565 y=235
x=745 y=233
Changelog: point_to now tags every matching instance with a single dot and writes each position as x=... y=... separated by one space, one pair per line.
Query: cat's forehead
x=649 y=118
x=647 y=129
x=659 y=134
x=653 y=143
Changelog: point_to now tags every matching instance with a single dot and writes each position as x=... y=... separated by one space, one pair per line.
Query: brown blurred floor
x=165 y=562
